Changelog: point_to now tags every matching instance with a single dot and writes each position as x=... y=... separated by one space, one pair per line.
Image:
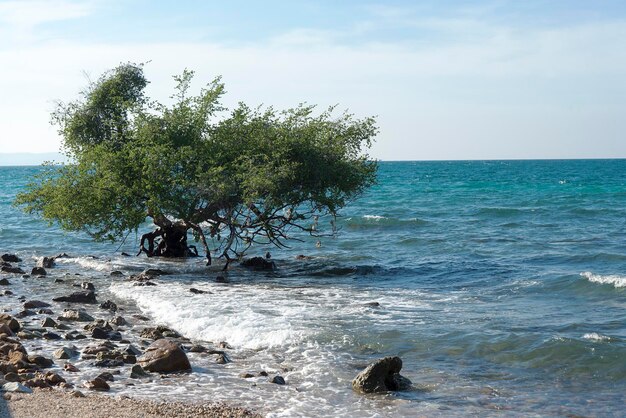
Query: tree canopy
x=232 y=178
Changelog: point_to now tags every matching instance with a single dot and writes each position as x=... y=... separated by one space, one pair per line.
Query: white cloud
x=30 y=13
x=511 y=93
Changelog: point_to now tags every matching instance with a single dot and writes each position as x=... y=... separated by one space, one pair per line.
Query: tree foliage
x=232 y=178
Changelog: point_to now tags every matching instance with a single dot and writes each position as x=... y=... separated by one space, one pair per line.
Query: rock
x=53 y=379
x=198 y=291
x=69 y=367
x=46 y=262
x=109 y=363
x=75 y=315
x=7 y=293
x=41 y=361
x=65 y=353
x=103 y=334
x=141 y=317
x=16 y=388
x=77 y=394
x=38 y=271
x=51 y=336
x=246 y=375
x=109 y=306
x=87 y=286
x=259 y=264
x=224 y=344
x=155 y=272
x=62 y=255
x=74 y=335
x=4 y=329
x=27 y=335
x=4 y=282
x=222 y=359
x=24 y=313
x=372 y=304
x=164 y=356
x=118 y=320
x=34 y=304
x=13 y=270
x=45 y=311
x=106 y=376
x=48 y=323
x=78 y=297
x=98 y=323
x=11 y=377
x=221 y=279
x=117 y=273
x=278 y=380
x=11 y=322
x=59 y=281
x=146 y=283
x=158 y=333
x=137 y=372
x=381 y=376
x=10 y=258
x=263 y=373
x=132 y=350
x=197 y=348
x=97 y=384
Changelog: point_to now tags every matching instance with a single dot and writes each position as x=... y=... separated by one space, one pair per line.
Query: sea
x=500 y=284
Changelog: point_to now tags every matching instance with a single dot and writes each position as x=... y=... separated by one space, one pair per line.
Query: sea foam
x=615 y=280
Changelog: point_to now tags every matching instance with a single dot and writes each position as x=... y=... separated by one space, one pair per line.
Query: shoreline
x=109 y=340
x=44 y=402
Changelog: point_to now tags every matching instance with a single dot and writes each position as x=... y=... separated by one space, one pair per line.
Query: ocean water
x=501 y=285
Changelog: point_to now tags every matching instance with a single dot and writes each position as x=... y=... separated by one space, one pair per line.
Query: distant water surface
x=501 y=284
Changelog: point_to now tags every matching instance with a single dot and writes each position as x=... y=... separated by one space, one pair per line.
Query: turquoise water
x=502 y=285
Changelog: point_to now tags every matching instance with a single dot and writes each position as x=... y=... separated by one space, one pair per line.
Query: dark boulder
x=4 y=282
x=13 y=270
x=198 y=291
x=158 y=333
x=279 y=380
x=137 y=372
x=87 y=286
x=38 y=271
x=46 y=262
x=10 y=258
x=11 y=322
x=33 y=304
x=109 y=306
x=97 y=384
x=382 y=376
x=164 y=356
x=259 y=264
x=78 y=297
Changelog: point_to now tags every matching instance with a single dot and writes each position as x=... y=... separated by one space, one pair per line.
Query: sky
x=447 y=80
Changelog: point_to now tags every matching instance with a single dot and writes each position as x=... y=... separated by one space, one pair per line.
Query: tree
x=232 y=179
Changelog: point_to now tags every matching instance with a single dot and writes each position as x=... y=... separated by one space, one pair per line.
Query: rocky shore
x=48 y=403
x=46 y=346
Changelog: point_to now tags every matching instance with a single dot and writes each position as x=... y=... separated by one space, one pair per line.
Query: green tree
x=232 y=179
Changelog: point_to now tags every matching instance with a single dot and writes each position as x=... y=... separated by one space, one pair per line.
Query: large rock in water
x=78 y=297
x=164 y=356
x=381 y=376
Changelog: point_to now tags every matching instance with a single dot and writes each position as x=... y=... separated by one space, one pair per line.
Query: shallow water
x=502 y=285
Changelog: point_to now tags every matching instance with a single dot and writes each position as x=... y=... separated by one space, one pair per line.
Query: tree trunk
x=168 y=240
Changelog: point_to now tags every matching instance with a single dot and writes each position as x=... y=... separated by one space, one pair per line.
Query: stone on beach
x=164 y=356
x=381 y=376
x=10 y=258
x=75 y=315
x=13 y=270
x=33 y=304
x=98 y=384
x=38 y=271
x=78 y=297
x=11 y=322
x=16 y=387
